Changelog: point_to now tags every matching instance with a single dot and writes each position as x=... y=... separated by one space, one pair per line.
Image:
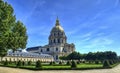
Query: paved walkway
x=16 y=70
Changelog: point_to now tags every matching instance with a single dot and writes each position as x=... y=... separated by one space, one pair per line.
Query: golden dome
x=57 y=27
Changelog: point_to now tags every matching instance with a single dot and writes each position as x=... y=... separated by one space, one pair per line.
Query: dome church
x=57 y=45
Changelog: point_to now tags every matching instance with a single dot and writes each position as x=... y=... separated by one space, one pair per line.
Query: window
x=58 y=40
x=41 y=50
x=48 y=49
x=56 y=57
x=56 y=49
x=54 y=40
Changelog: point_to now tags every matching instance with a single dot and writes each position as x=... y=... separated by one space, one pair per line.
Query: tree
x=18 y=37
x=7 y=20
x=74 y=56
x=12 y=33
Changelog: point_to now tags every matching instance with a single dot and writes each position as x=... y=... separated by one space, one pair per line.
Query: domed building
x=57 y=46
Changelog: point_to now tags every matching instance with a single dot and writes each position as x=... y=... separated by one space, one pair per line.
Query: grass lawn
x=56 y=66
x=89 y=65
x=81 y=66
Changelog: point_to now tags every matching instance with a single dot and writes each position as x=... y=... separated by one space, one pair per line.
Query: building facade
x=57 y=44
x=27 y=56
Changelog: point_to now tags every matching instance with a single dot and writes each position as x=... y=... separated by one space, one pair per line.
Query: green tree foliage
x=7 y=20
x=12 y=33
x=38 y=65
x=72 y=56
x=73 y=64
x=92 y=57
x=109 y=55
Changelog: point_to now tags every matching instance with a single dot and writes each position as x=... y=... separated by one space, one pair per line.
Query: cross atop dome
x=57 y=21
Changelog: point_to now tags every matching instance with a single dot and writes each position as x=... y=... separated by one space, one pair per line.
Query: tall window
x=58 y=40
x=56 y=49
x=48 y=49
x=54 y=40
x=41 y=50
x=56 y=57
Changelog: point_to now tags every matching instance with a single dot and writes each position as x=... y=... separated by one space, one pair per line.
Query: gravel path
x=16 y=70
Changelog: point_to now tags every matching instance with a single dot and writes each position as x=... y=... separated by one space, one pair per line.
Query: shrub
x=96 y=62
x=19 y=63
x=60 y=63
x=5 y=63
x=83 y=61
x=51 y=63
x=10 y=61
x=111 y=62
x=38 y=65
x=23 y=63
x=106 y=64
x=29 y=62
x=68 y=63
x=78 y=62
x=73 y=65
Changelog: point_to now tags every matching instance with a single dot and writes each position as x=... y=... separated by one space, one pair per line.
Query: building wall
x=11 y=58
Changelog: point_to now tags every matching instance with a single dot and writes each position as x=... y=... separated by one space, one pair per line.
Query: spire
x=57 y=21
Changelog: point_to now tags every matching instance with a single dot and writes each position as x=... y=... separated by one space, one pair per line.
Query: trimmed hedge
x=38 y=65
x=19 y=64
x=73 y=65
x=106 y=64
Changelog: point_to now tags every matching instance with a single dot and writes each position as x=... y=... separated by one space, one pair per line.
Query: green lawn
x=89 y=66
x=56 y=66
x=81 y=66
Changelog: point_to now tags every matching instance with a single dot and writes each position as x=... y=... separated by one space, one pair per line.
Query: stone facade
x=57 y=45
x=27 y=56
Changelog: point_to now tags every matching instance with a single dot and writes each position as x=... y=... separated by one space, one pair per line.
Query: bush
x=96 y=62
x=68 y=63
x=23 y=63
x=111 y=62
x=106 y=64
x=60 y=63
x=10 y=61
x=19 y=63
x=38 y=65
x=5 y=63
x=51 y=63
x=78 y=62
x=73 y=65
x=29 y=62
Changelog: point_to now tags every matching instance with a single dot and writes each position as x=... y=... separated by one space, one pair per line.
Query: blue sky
x=92 y=25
